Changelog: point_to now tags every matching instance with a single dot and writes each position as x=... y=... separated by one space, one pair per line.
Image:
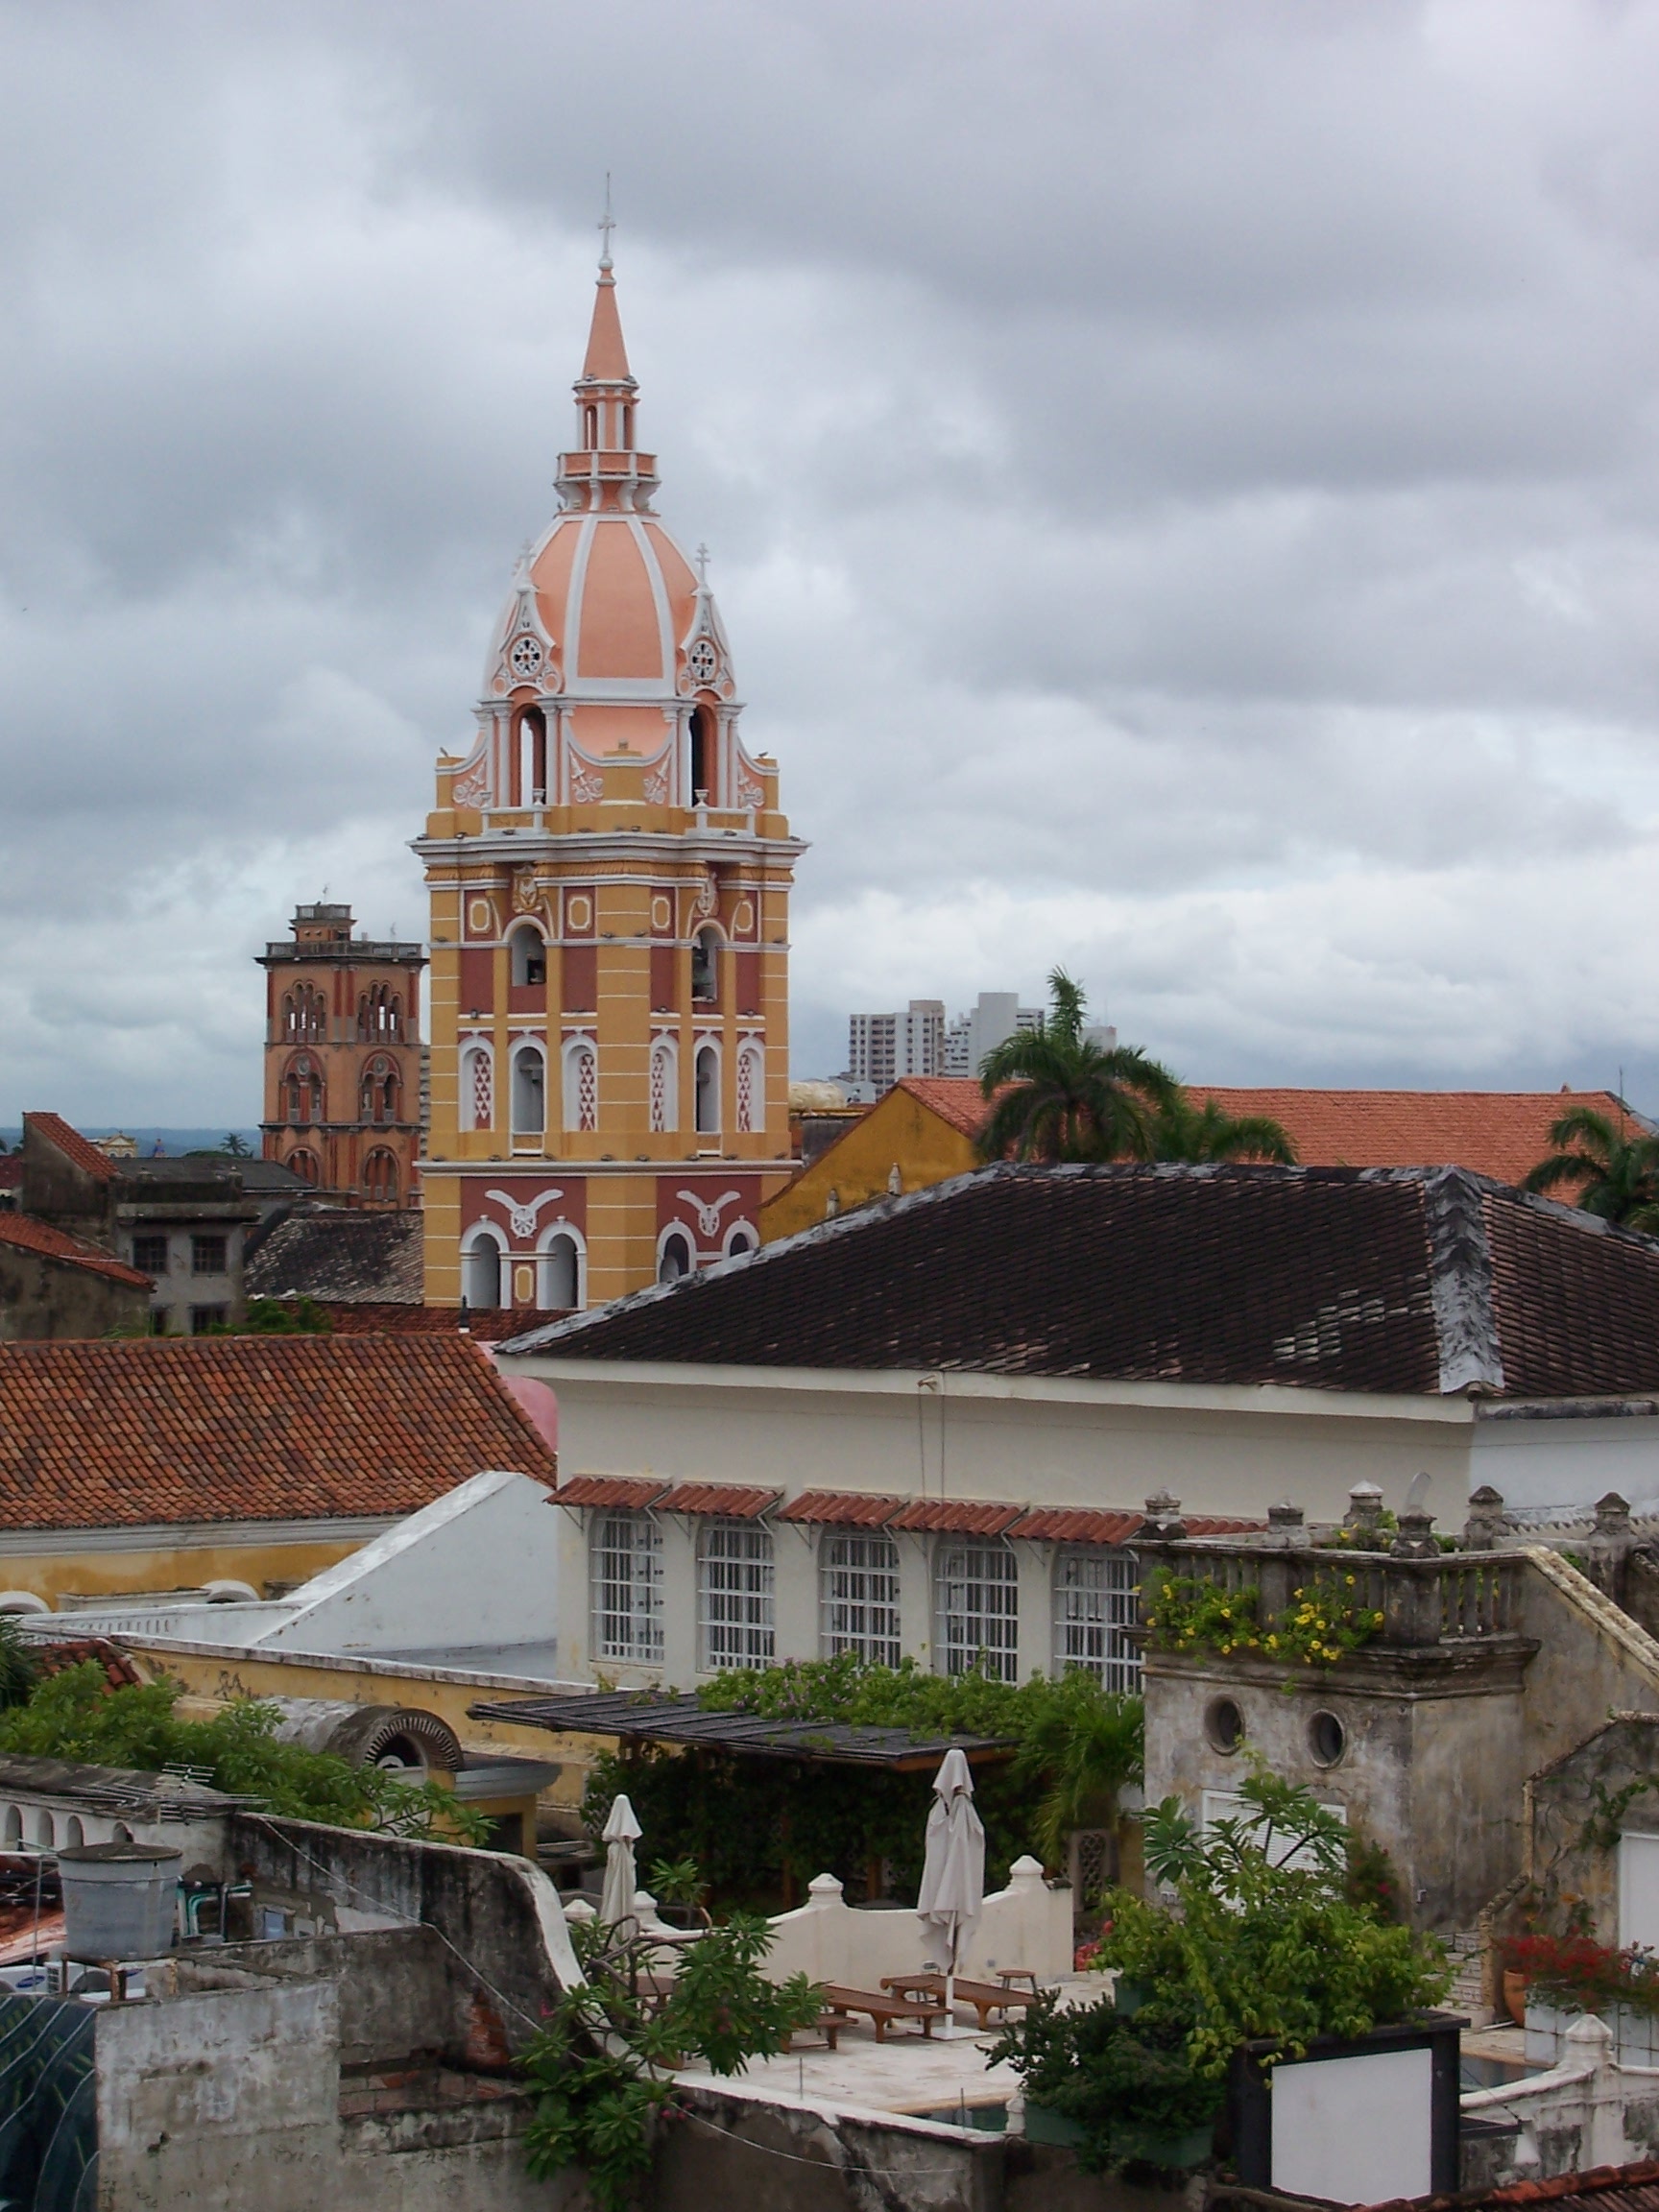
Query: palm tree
x=1619 y=1172
x=1060 y=1096
x=1185 y=1131
x=1077 y=1753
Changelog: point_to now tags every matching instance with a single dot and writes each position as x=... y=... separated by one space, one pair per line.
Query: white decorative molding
x=657 y=788
x=710 y=1209
x=586 y=790
x=521 y=1213
x=708 y=896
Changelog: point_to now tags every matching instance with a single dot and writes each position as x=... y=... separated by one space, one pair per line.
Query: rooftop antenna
x=606 y=225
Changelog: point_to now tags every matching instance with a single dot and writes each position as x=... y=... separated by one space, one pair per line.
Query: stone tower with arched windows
x=343 y=1075
x=610 y=879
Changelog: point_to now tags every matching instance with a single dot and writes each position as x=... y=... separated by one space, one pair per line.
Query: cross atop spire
x=703 y=565
x=606 y=225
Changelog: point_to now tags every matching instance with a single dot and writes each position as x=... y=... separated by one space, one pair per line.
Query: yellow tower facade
x=610 y=876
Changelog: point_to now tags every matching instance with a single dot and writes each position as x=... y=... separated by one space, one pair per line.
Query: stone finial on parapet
x=1612 y=1515
x=1163 y=1524
x=1287 y=1525
x=1364 y=1518
x=823 y=1891
x=1486 y=1528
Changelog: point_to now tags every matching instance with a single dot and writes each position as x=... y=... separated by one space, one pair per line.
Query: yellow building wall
x=898 y=1131
x=53 y=1574
x=212 y=1679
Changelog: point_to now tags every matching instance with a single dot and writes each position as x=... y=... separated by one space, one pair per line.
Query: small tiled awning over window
x=1076 y=1525
x=957 y=1515
x=720 y=1500
x=611 y=1493
x=841 y=1509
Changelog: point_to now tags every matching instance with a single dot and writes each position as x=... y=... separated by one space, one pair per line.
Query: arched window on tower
x=706 y=967
x=380 y=1015
x=581 y=1085
x=481 y=1268
x=626 y=427
x=702 y=757
x=304 y=1164
x=304 y=1085
x=529 y=1100
x=590 y=429
x=305 y=1015
x=674 y=1259
x=477 y=1088
x=378 y=1099
x=528 y=773
x=380 y=1179
x=707 y=1079
x=527 y=952
x=558 y=1273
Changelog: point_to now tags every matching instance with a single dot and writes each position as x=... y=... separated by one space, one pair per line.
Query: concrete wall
x=1592 y=1660
x=897 y=1132
x=217 y=2099
x=1570 y=1459
x=110 y=1562
x=1027 y=1925
x=42 y=1299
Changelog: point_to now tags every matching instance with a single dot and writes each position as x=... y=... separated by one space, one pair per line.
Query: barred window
x=1094 y=1604
x=977 y=1596
x=859 y=1583
x=735 y=1595
x=627 y=1563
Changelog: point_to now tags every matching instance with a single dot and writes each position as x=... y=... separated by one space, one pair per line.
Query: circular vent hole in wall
x=1224 y=1724
x=1327 y=1738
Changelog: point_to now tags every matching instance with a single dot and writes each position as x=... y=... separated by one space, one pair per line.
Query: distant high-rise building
x=995 y=1018
x=881 y=1048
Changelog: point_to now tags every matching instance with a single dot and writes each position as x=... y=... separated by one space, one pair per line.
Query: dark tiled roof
x=114 y=1434
x=486 y=1324
x=1397 y=1281
x=342 y=1254
x=72 y=1144
x=52 y=1243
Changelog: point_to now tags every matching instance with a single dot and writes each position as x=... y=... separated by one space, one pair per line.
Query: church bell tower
x=610 y=878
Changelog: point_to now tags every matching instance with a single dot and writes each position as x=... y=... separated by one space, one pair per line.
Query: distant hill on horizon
x=172 y=1141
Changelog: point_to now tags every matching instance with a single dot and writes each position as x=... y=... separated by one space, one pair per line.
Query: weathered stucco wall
x=42 y=1299
x=103 y=1564
x=1593 y=1659
x=1430 y=1767
x=1028 y=1924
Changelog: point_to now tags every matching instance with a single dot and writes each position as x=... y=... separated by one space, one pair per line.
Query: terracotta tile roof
x=724 y=1500
x=31 y=1236
x=116 y=1435
x=841 y=1509
x=1097 y=1524
x=1403 y=1281
x=488 y=1325
x=345 y=1255
x=632 y=1492
x=72 y=1144
x=11 y=1171
x=1503 y=1133
x=1597 y=2188
x=119 y=1670
x=962 y=1517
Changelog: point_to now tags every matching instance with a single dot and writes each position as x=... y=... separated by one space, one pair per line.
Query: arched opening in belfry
x=527 y=950
x=702 y=755
x=626 y=427
x=590 y=429
x=706 y=967
x=481 y=1271
x=708 y=1089
x=676 y=1257
x=529 y=766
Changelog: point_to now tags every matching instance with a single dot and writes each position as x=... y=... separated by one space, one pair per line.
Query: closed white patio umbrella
x=622 y=1831
x=953 y=1872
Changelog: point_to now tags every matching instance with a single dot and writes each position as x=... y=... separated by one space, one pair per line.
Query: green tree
x=19 y=1667
x=1617 y=1171
x=300 y=1316
x=238 y=1147
x=1059 y=1096
x=1080 y=1746
x=1184 y=1130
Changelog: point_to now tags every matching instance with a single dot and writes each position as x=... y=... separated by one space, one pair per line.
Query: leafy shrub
x=76 y=1715
x=1121 y=2079
x=1261 y=1945
x=602 y=2066
x=1320 y=1624
x=1575 y=1974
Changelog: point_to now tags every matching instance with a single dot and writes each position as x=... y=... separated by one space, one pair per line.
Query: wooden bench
x=882 y=2007
x=985 y=1997
x=828 y=2024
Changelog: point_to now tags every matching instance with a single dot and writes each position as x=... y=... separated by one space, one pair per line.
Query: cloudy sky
x=1182 y=481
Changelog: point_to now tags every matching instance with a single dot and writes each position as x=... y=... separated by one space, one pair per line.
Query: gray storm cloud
x=1182 y=483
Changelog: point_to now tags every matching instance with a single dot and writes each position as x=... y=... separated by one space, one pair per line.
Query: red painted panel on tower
x=748 y=966
x=477 y=979
x=579 y=969
x=664 y=961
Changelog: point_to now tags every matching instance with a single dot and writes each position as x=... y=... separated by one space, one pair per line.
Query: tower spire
x=606 y=225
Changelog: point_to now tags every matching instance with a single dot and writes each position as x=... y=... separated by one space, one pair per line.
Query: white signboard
x=1355 y=2130
x=1639 y=1891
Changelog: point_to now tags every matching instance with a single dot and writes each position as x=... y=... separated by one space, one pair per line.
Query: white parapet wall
x=1028 y=1925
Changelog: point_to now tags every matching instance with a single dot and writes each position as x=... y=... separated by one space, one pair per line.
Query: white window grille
x=858 y=1584
x=665 y=1087
x=479 y=1088
x=626 y=1556
x=976 y=1593
x=581 y=1086
x=735 y=1595
x=1094 y=1606
x=750 y=1081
